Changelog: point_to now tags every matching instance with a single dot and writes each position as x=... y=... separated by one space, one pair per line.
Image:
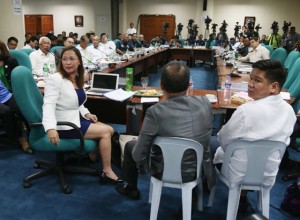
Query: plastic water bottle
x=46 y=70
x=129 y=79
x=191 y=87
x=227 y=90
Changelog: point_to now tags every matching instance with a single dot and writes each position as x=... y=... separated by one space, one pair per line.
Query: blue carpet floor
x=44 y=200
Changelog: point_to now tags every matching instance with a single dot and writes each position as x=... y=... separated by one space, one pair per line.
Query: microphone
x=95 y=64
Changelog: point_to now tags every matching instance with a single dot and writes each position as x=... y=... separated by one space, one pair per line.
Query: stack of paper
x=119 y=95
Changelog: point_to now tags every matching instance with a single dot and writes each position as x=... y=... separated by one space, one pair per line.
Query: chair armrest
x=75 y=127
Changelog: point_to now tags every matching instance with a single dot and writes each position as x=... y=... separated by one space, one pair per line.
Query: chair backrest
x=258 y=153
x=291 y=58
x=28 y=97
x=279 y=54
x=55 y=47
x=22 y=58
x=292 y=74
x=270 y=48
x=28 y=51
x=173 y=149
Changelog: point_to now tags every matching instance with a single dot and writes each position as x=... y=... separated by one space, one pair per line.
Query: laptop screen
x=105 y=81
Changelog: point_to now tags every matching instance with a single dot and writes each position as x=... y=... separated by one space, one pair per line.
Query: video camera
x=285 y=27
x=166 y=25
x=274 y=25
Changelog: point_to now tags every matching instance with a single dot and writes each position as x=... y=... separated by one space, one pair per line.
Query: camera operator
x=292 y=39
x=275 y=39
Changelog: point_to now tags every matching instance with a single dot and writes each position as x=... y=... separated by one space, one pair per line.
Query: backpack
x=291 y=199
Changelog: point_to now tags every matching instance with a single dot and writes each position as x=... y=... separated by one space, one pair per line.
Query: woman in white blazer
x=63 y=101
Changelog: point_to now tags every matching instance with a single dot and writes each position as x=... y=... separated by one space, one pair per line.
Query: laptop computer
x=102 y=83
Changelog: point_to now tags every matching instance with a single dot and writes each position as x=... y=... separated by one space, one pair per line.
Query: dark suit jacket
x=9 y=64
x=182 y=116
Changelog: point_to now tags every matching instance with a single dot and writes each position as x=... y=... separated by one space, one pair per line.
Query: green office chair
x=292 y=74
x=28 y=51
x=22 y=58
x=30 y=101
x=279 y=54
x=270 y=48
x=290 y=60
x=55 y=47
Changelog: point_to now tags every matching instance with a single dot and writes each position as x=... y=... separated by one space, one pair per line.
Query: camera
x=166 y=24
x=285 y=27
x=274 y=25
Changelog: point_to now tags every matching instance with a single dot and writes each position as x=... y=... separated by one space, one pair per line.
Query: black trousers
x=129 y=169
x=10 y=116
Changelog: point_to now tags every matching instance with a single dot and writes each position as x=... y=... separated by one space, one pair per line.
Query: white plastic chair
x=172 y=151
x=258 y=153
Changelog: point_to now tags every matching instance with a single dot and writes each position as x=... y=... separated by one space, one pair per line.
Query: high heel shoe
x=104 y=179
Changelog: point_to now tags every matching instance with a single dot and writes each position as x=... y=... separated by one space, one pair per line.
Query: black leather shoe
x=123 y=189
x=104 y=179
x=28 y=150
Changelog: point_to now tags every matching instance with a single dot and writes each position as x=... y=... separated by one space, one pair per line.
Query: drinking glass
x=144 y=82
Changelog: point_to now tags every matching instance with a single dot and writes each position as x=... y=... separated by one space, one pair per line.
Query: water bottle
x=191 y=87
x=227 y=90
x=129 y=79
x=46 y=70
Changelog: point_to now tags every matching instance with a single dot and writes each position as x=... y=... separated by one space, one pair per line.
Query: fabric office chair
x=28 y=51
x=270 y=48
x=55 y=47
x=22 y=58
x=30 y=100
x=290 y=60
x=292 y=74
x=172 y=150
x=254 y=177
x=279 y=54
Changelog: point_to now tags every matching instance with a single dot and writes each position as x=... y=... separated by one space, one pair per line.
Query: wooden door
x=152 y=25
x=38 y=23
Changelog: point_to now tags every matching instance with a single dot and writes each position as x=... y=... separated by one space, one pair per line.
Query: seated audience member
x=107 y=46
x=11 y=119
x=95 y=51
x=238 y=44
x=82 y=47
x=68 y=42
x=12 y=43
x=274 y=39
x=258 y=53
x=200 y=41
x=143 y=42
x=174 y=42
x=75 y=38
x=264 y=40
x=211 y=41
x=7 y=64
x=41 y=57
x=27 y=36
x=38 y=35
x=63 y=101
x=64 y=34
x=221 y=36
x=134 y=42
x=158 y=40
x=32 y=43
x=258 y=120
x=167 y=119
x=119 y=38
x=245 y=49
x=123 y=45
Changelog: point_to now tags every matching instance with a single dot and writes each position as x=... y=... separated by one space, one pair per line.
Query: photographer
x=275 y=39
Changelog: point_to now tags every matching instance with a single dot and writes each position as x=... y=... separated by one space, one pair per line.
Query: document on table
x=149 y=99
x=119 y=95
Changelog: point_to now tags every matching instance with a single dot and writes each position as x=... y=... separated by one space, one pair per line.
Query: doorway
x=38 y=23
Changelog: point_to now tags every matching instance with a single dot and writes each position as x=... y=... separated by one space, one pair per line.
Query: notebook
x=103 y=83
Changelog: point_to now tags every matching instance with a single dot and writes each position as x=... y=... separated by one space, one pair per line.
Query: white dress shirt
x=131 y=31
x=27 y=46
x=96 y=53
x=108 y=48
x=86 y=56
x=259 y=53
x=269 y=118
x=38 y=58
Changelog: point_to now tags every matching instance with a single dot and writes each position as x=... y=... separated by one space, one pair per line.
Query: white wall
x=232 y=11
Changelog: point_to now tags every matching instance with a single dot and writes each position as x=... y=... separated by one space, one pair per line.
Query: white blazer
x=61 y=103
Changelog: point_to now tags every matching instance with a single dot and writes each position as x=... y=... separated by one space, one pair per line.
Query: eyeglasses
x=71 y=59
